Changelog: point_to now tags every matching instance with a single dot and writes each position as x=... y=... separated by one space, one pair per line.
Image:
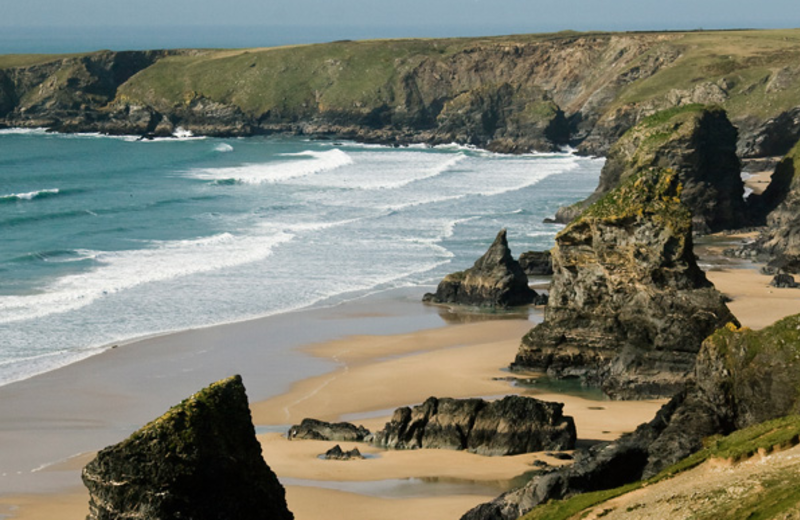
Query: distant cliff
x=509 y=94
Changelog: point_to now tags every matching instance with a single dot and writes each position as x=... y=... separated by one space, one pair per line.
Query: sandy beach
x=360 y=361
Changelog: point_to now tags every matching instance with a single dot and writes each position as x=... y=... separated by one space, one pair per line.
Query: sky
x=26 y=22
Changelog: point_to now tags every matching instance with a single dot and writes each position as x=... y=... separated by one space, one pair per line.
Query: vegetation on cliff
x=508 y=93
x=698 y=143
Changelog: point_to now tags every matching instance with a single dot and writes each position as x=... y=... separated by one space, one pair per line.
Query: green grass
x=9 y=61
x=740 y=445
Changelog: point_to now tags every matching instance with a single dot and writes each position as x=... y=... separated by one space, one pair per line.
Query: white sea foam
x=223 y=147
x=23 y=131
x=308 y=163
x=29 y=195
x=122 y=270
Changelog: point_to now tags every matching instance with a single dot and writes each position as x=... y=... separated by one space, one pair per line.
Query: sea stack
x=496 y=280
x=629 y=307
x=200 y=460
x=698 y=144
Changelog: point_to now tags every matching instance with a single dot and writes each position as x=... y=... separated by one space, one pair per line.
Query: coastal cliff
x=628 y=307
x=507 y=94
x=699 y=144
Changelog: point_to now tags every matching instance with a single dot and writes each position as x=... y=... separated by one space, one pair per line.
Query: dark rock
x=561 y=456
x=699 y=145
x=541 y=299
x=337 y=453
x=780 y=202
x=200 y=460
x=783 y=280
x=509 y=426
x=629 y=307
x=312 y=429
x=536 y=263
x=496 y=280
x=742 y=378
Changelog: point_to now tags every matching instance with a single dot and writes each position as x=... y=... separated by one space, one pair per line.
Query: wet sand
x=353 y=364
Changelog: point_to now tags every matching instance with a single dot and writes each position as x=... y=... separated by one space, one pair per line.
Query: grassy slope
x=774 y=498
x=361 y=76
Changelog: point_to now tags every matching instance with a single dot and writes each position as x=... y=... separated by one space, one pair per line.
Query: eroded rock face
x=199 y=461
x=699 y=145
x=510 y=426
x=496 y=280
x=780 y=241
x=312 y=429
x=629 y=307
x=536 y=263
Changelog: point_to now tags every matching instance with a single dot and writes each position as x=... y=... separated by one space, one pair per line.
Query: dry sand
x=377 y=373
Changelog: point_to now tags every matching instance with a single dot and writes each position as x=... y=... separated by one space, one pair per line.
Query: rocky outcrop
x=496 y=280
x=510 y=426
x=783 y=281
x=200 y=460
x=699 y=145
x=629 y=307
x=742 y=378
x=779 y=243
x=337 y=453
x=536 y=263
x=312 y=429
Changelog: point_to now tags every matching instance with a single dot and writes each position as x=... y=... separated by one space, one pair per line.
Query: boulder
x=509 y=426
x=496 y=280
x=201 y=460
x=698 y=143
x=337 y=453
x=629 y=307
x=783 y=281
x=742 y=378
x=536 y=263
x=312 y=429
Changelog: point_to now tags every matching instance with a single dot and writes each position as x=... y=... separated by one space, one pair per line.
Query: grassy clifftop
x=519 y=92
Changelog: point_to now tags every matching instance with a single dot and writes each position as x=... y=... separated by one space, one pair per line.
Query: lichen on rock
x=200 y=461
x=629 y=307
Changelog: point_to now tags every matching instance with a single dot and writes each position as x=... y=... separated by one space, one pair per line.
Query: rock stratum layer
x=509 y=94
x=698 y=143
x=199 y=461
x=742 y=378
x=629 y=307
x=496 y=280
x=510 y=426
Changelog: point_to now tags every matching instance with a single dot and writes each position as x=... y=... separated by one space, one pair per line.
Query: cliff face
x=200 y=460
x=699 y=145
x=628 y=305
x=780 y=241
x=742 y=378
x=510 y=94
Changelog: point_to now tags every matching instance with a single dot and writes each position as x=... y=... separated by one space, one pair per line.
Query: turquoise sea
x=106 y=239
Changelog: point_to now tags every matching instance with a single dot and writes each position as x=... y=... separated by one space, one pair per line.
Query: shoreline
x=355 y=361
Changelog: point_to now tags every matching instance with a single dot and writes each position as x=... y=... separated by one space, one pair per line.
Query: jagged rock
x=536 y=263
x=541 y=299
x=699 y=145
x=509 y=426
x=312 y=429
x=337 y=453
x=742 y=378
x=200 y=460
x=496 y=280
x=783 y=281
x=629 y=307
x=780 y=241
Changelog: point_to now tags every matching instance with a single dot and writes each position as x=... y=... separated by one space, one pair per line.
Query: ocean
x=106 y=239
